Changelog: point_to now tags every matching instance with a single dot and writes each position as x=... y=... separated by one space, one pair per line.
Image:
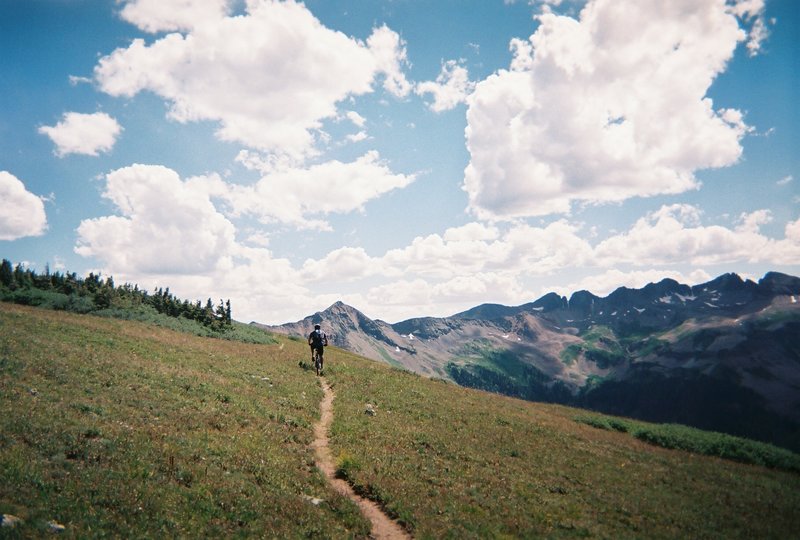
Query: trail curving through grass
x=383 y=527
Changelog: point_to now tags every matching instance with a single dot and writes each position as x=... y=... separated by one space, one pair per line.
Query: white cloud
x=476 y=248
x=300 y=195
x=451 y=88
x=79 y=133
x=752 y=10
x=464 y=266
x=542 y=251
x=792 y=232
x=342 y=265
x=169 y=15
x=435 y=257
x=167 y=232
x=21 y=212
x=610 y=106
x=406 y=298
x=758 y=34
x=610 y=280
x=269 y=77
x=471 y=232
x=164 y=226
x=673 y=235
x=75 y=80
x=390 y=55
x=258 y=239
x=356 y=118
x=785 y=180
x=358 y=137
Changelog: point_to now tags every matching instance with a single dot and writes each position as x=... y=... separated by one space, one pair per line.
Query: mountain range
x=722 y=355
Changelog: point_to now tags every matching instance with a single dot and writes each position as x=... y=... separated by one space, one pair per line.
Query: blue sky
x=408 y=157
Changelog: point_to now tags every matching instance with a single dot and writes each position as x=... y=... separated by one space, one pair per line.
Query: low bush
x=708 y=443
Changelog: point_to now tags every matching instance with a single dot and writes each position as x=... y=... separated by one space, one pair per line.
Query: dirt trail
x=382 y=525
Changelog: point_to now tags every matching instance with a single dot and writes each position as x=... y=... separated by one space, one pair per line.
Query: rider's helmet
x=316 y=327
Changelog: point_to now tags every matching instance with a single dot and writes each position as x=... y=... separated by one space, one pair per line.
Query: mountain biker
x=317 y=340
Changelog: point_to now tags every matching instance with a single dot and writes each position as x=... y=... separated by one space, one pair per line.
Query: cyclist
x=317 y=340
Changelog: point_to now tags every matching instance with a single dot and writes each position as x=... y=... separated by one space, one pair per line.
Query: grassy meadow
x=120 y=429
x=124 y=429
x=451 y=462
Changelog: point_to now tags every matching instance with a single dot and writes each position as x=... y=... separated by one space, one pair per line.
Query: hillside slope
x=118 y=428
x=121 y=429
x=723 y=355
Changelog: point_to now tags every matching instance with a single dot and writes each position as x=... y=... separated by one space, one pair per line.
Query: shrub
x=709 y=443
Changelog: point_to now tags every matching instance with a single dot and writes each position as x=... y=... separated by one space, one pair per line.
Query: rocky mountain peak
x=777 y=283
x=583 y=301
x=550 y=302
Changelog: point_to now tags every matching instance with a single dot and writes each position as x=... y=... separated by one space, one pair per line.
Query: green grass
x=124 y=429
x=708 y=443
x=600 y=345
x=570 y=353
x=236 y=332
x=119 y=429
x=457 y=463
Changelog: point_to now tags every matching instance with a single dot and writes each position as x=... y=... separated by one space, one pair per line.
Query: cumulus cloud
x=605 y=283
x=476 y=248
x=441 y=274
x=173 y=15
x=269 y=77
x=300 y=196
x=342 y=265
x=674 y=234
x=163 y=226
x=438 y=257
x=21 y=212
x=167 y=231
x=451 y=88
x=356 y=118
x=753 y=12
x=390 y=56
x=87 y=134
x=358 y=137
x=605 y=107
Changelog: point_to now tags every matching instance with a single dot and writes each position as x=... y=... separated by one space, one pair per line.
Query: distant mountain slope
x=722 y=355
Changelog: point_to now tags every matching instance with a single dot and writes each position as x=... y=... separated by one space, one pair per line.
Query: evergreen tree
x=22 y=277
x=6 y=274
x=208 y=313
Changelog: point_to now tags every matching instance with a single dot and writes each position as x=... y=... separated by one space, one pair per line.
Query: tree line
x=94 y=293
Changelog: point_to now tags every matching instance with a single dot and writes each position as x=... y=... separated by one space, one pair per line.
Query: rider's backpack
x=316 y=339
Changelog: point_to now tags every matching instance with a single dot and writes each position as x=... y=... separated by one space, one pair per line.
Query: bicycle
x=317 y=362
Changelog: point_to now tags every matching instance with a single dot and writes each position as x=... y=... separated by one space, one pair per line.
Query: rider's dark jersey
x=317 y=339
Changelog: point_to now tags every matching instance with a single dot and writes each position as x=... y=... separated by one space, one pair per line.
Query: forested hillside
x=67 y=291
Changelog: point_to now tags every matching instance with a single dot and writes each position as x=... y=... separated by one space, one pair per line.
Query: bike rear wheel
x=317 y=363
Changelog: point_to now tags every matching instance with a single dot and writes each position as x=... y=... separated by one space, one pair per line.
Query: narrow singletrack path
x=383 y=527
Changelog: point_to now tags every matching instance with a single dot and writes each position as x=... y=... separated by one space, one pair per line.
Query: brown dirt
x=383 y=527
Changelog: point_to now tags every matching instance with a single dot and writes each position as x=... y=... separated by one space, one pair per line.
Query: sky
x=407 y=157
